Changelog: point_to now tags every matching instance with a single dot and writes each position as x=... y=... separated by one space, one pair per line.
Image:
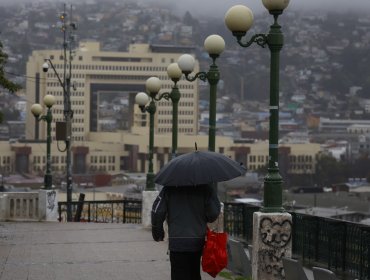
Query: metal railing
x=238 y=220
x=104 y=211
x=338 y=245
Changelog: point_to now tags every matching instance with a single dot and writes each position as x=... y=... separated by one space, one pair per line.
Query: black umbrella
x=198 y=168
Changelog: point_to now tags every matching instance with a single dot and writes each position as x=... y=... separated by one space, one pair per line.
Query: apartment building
x=341 y=125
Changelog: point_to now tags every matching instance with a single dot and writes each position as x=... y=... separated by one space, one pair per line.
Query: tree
x=330 y=171
x=361 y=167
x=4 y=82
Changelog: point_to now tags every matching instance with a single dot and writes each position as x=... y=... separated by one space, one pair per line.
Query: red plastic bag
x=214 y=257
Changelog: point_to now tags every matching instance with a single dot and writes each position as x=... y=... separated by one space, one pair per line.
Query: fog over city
x=219 y=7
x=216 y=8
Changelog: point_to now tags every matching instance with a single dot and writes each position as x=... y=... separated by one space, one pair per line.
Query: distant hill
x=325 y=54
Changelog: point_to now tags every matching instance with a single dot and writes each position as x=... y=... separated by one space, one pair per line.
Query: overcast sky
x=219 y=7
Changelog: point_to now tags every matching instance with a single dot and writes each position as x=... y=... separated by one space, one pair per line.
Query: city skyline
x=202 y=7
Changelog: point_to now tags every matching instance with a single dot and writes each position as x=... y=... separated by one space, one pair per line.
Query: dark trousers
x=185 y=265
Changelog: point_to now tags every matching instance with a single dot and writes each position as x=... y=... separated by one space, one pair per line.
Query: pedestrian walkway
x=82 y=251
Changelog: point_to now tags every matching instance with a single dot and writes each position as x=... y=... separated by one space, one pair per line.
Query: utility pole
x=64 y=129
x=68 y=27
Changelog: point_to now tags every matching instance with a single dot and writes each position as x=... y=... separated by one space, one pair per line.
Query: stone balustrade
x=41 y=205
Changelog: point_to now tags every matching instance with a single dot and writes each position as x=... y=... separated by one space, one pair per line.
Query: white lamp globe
x=275 y=5
x=174 y=71
x=36 y=109
x=141 y=99
x=45 y=67
x=186 y=63
x=153 y=85
x=239 y=18
x=49 y=100
x=214 y=44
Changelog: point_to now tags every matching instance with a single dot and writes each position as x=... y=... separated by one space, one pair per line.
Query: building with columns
x=110 y=133
x=104 y=85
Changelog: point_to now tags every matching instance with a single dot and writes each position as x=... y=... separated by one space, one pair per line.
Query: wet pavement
x=83 y=251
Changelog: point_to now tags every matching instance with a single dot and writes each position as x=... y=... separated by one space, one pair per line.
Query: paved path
x=83 y=251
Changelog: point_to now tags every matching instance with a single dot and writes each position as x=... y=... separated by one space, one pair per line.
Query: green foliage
x=4 y=82
x=231 y=276
x=330 y=171
x=360 y=167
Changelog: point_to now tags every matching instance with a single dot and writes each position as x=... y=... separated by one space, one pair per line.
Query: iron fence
x=339 y=245
x=104 y=211
x=238 y=220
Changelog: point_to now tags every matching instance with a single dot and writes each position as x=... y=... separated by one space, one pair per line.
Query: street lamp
x=36 y=110
x=175 y=73
x=153 y=85
x=239 y=19
x=214 y=45
x=272 y=227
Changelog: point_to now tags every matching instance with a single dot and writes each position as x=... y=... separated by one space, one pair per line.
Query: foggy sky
x=219 y=7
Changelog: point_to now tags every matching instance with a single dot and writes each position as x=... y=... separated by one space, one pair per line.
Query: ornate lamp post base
x=273 y=192
x=48 y=181
x=150 y=181
x=272 y=240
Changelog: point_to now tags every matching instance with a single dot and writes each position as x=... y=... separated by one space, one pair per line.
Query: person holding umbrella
x=188 y=201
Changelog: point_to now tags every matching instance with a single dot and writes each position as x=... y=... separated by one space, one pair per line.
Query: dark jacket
x=187 y=209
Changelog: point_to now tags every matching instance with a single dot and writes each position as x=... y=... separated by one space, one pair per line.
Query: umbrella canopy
x=198 y=168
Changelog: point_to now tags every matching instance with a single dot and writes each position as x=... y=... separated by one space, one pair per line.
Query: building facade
x=110 y=133
x=104 y=85
x=120 y=152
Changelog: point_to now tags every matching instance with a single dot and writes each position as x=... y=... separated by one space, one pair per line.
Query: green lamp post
x=174 y=72
x=36 y=110
x=214 y=45
x=153 y=85
x=239 y=19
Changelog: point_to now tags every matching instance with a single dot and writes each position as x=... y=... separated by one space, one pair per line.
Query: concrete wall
x=40 y=205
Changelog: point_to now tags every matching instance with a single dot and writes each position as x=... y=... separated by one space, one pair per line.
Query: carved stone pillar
x=272 y=240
